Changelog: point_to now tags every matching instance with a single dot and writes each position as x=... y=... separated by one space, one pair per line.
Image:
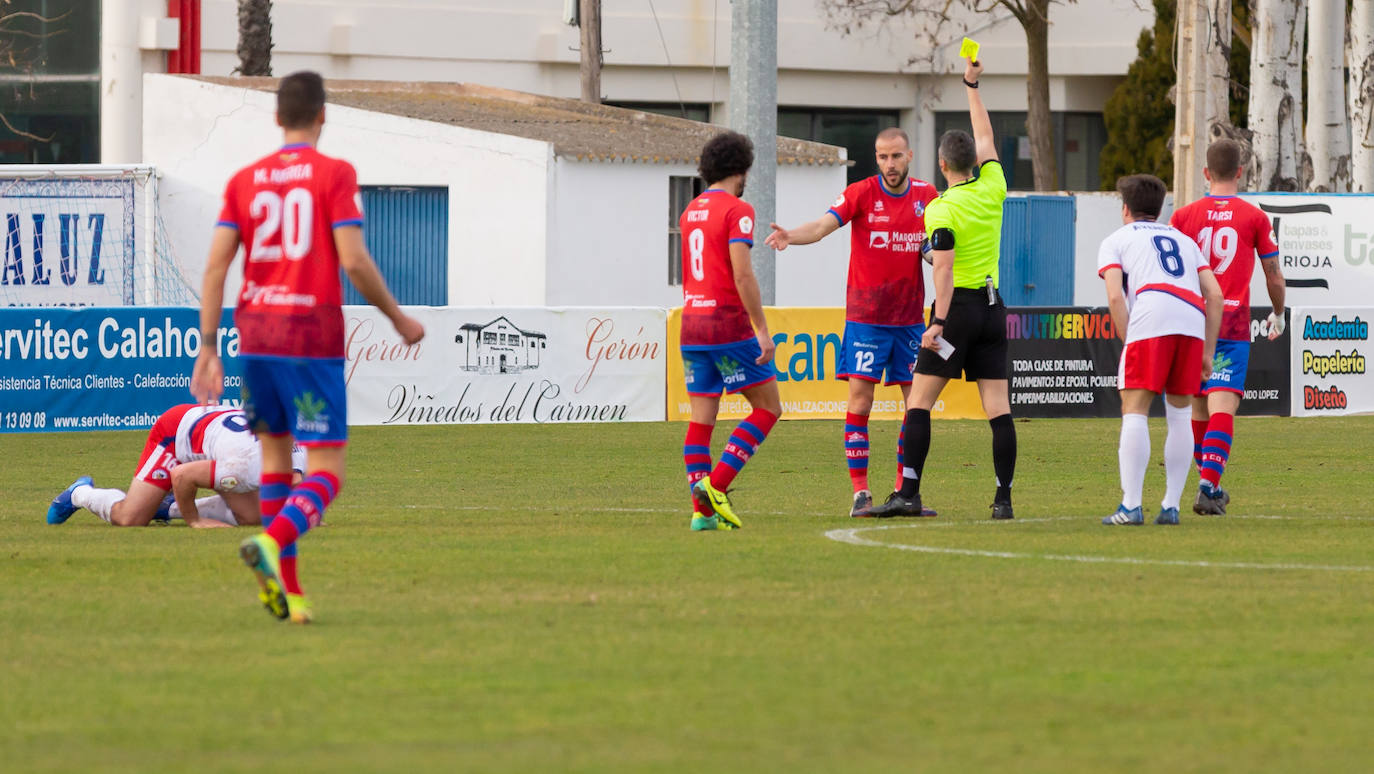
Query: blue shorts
x=869 y=350
x=301 y=397
x=1228 y=367
x=730 y=367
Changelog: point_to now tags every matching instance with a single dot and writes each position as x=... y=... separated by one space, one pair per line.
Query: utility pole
x=754 y=113
x=1190 y=102
x=590 y=23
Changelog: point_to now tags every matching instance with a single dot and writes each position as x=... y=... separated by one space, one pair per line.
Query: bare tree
x=1361 y=96
x=20 y=33
x=1327 y=159
x=1276 y=92
x=255 y=37
x=936 y=21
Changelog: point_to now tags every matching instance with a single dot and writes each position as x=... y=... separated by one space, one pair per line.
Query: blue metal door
x=1036 y=264
x=406 y=230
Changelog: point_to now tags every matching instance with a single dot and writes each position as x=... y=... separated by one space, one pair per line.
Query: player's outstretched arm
x=748 y=286
x=1116 y=300
x=1273 y=282
x=362 y=272
x=805 y=234
x=207 y=378
x=983 y=140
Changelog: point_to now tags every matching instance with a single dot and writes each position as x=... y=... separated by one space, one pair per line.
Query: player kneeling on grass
x=1166 y=305
x=189 y=447
x=725 y=340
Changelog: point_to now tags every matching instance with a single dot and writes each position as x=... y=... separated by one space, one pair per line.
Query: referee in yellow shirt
x=967 y=333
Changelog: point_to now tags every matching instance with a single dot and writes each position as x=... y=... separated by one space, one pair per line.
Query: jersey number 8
x=1169 y=256
x=696 y=246
x=291 y=216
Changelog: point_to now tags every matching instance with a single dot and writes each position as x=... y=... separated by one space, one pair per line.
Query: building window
x=1078 y=141
x=681 y=191
x=692 y=111
x=50 y=82
x=488 y=337
x=853 y=130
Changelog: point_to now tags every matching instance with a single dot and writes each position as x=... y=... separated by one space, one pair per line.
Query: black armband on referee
x=942 y=239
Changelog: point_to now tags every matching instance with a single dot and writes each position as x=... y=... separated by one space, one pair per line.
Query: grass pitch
x=529 y=598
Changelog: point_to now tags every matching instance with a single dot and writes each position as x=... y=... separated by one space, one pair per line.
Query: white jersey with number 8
x=1160 y=266
x=221 y=435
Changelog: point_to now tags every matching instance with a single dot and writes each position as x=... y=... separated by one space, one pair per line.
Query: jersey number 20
x=283 y=225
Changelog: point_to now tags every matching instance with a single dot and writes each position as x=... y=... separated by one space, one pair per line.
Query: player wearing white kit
x=188 y=447
x=1166 y=305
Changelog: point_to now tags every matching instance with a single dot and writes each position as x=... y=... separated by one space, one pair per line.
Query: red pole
x=193 y=8
x=174 y=55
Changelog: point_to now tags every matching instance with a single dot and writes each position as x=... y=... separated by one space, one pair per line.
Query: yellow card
x=969 y=49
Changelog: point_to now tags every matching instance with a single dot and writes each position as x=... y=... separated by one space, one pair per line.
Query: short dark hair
x=726 y=154
x=958 y=151
x=893 y=133
x=1224 y=159
x=300 y=98
x=1143 y=195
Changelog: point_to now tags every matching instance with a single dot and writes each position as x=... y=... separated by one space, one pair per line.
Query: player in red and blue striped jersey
x=725 y=340
x=884 y=315
x=1231 y=232
x=298 y=213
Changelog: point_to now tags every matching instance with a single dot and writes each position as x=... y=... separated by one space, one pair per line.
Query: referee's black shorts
x=978 y=331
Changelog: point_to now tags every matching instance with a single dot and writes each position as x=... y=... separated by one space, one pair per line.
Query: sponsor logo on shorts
x=730 y=369
x=310 y=416
x=227 y=482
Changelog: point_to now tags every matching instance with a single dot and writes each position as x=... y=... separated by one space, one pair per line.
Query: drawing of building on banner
x=500 y=347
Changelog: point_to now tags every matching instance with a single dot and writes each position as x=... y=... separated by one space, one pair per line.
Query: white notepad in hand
x=946 y=349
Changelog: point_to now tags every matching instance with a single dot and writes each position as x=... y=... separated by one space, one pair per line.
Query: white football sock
x=97 y=501
x=1178 y=453
x=1134 y=457
x=214 y=507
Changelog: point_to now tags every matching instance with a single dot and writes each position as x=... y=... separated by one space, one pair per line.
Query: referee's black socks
x=916 y=431
x=1003 y=453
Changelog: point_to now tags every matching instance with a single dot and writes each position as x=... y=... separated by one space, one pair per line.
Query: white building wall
x=198 y=134
x=611 y=235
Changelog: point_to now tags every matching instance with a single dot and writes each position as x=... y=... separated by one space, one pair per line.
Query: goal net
x=86 y=235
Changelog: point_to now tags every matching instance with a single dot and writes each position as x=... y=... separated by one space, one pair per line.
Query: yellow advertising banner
x=808 y=354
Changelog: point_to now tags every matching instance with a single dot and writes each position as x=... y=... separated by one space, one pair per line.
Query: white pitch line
x=851 y=536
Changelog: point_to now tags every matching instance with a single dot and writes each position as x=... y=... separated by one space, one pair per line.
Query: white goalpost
x=86 y=235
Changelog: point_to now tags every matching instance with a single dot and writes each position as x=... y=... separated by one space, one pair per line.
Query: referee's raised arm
x=983 y=140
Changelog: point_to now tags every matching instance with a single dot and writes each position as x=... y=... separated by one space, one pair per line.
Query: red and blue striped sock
x=1216 y=448
x=696 y=455
x=743 y=443
x=1199 y=431
x=304 y=507
x=856 y=449
x=276 y=487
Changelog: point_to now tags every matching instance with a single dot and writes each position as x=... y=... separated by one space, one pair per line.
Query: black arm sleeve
x=942 y=239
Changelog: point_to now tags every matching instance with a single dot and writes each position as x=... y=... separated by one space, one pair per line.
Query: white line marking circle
x=851 y=536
